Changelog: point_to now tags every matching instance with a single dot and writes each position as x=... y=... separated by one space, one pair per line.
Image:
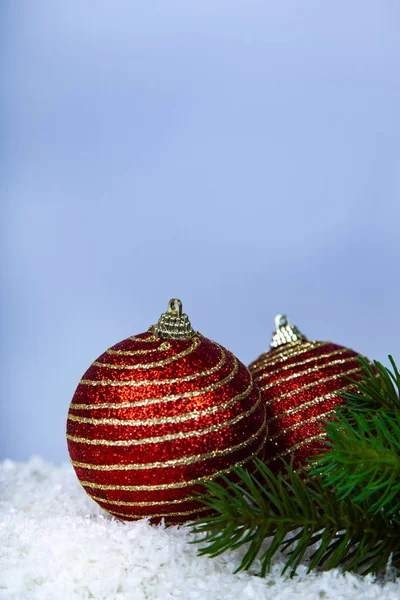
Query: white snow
x=56 y=543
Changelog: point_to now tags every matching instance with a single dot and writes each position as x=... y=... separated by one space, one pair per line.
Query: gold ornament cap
x=174 y=324
x=285 y=332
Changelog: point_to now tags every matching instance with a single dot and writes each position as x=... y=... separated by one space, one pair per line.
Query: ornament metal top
x=173 y=324
x=285 y=332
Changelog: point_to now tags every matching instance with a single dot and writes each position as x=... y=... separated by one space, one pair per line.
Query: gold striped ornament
x=299 y=382
x=159 y=413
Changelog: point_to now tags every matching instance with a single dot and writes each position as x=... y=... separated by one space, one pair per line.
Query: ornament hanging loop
x=281 y=321
x=174 y=324
x=175 y=307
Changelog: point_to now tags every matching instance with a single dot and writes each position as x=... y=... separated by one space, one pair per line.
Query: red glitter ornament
x=299 y=380
x=158 y=412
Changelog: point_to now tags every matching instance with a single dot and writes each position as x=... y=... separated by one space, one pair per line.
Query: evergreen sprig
x=299 y=515
x=363 y=441
x=363 y=459
x=345 y=511
x=377 y=390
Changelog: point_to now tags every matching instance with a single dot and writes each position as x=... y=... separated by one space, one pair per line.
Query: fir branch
x=363 y=460
x=264 y=506
x=377 y=390
x=363 y=442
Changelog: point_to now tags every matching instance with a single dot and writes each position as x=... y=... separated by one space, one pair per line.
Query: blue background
x=241 y=156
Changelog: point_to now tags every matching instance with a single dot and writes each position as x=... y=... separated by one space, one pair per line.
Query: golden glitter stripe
x=163 y=420
x=160 y=363
x=180 y=484
x=308 y=371
x=148 y=503
x=150 y=339
x=310 y=403
x=170 y=514
x=146 y=402
x=296 y=447
x=292 y=349
x=313 y=384
x=274 y=358
x=301 y=363
x=175 y=462
x=163 y=347
x=170 y=436
x=297 y=425
x=141 y=383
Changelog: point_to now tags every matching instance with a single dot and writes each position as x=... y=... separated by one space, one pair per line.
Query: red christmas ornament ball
x=159 y=412
x=299 y=381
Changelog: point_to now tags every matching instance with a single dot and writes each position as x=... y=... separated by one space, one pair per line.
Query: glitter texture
x=151 y=418
x=298 y=382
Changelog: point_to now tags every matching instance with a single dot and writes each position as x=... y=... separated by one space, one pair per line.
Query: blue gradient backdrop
x=242 y=156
